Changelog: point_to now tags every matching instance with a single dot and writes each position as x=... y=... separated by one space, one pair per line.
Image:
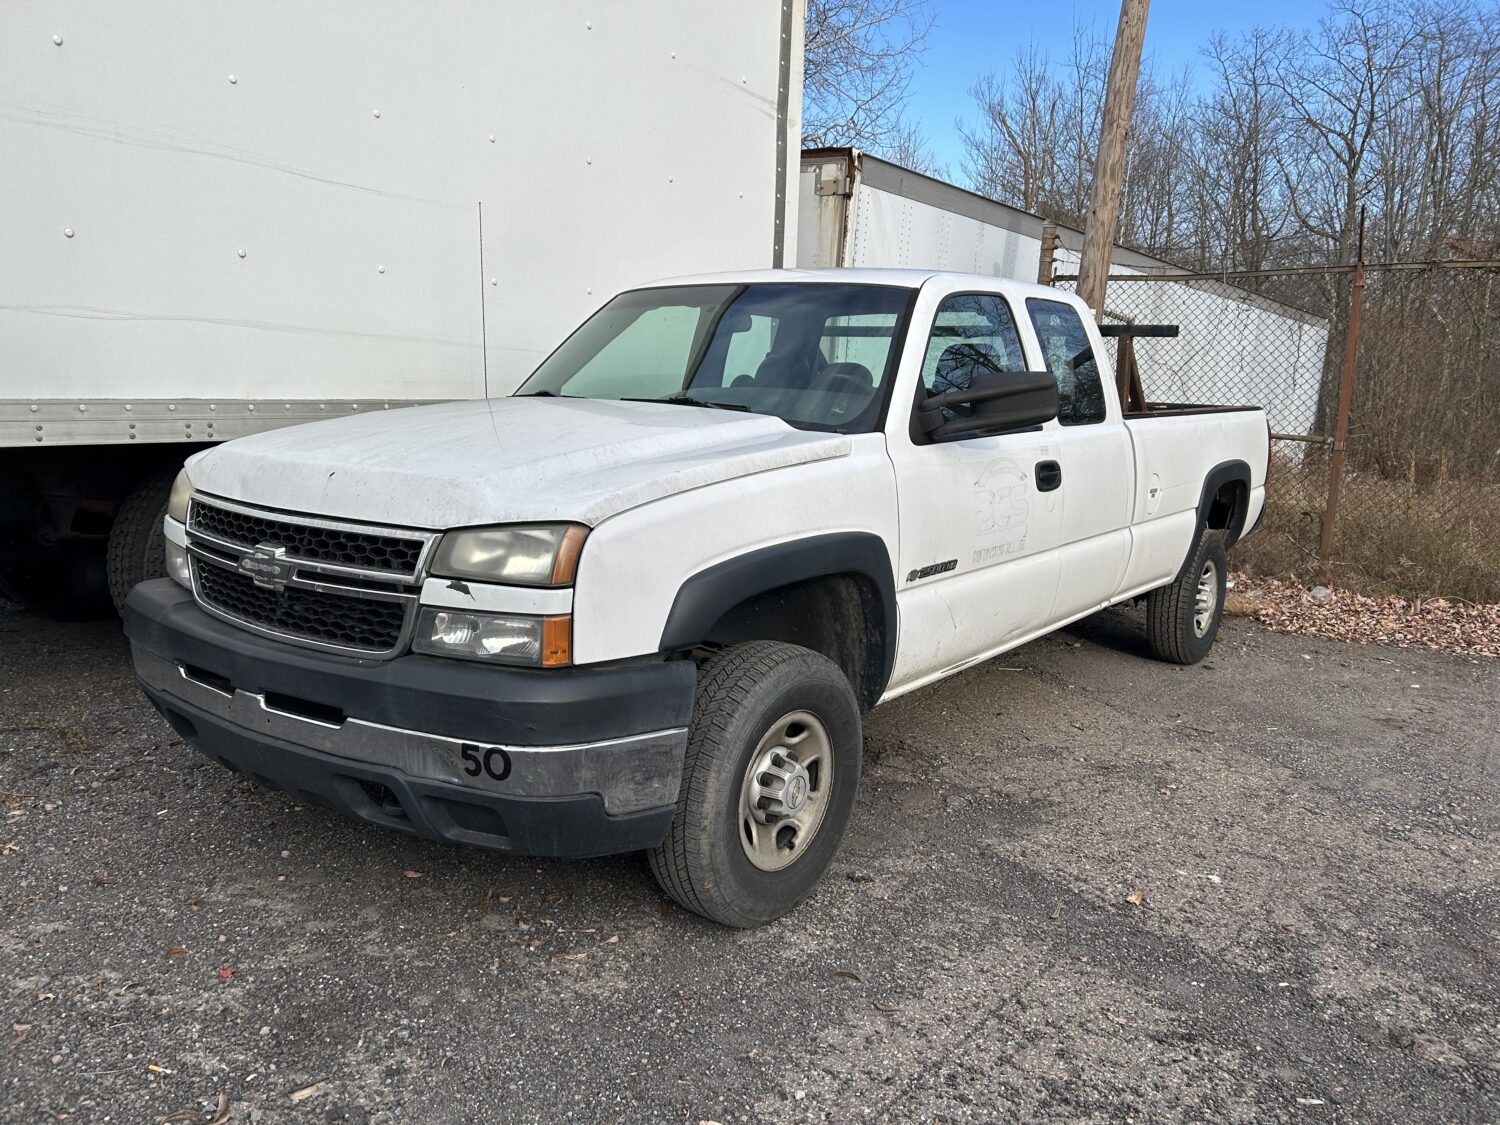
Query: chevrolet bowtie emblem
x=267 y=564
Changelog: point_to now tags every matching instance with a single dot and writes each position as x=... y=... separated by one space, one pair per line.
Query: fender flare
x=707 y=595
x=1226 y=472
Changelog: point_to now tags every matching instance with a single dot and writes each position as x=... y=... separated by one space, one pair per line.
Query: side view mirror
x=1001 y=400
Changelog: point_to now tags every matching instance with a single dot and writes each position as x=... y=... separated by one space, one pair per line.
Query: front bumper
x=559 y=762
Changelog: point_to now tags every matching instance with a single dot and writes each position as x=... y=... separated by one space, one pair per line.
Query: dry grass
x=1393 y=537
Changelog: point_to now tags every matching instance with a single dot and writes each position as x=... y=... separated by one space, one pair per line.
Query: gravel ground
x=1080 y=885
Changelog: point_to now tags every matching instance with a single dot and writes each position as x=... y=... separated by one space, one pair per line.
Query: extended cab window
x=972 y=333
x=816 y=355
x=1070 y=358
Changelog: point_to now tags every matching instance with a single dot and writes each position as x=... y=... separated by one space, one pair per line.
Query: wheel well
x=840 y=616
x=71 y=492
x=1227 y=506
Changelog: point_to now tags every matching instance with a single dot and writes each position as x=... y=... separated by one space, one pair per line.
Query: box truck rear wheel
x=66 y=582
x=768 y=784
x=136 y=550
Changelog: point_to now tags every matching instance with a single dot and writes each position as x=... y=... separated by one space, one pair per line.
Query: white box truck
x=221 y=219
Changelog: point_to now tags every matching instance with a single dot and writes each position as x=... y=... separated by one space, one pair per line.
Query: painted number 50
x=492 y=761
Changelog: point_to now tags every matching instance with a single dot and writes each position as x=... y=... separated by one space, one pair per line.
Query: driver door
x=979 y=560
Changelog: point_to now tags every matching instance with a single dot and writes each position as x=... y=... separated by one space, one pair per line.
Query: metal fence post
x=1341 y=425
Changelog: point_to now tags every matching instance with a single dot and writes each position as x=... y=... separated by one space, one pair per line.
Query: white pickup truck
x=643 y=604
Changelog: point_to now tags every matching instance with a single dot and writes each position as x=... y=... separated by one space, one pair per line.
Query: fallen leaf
x=227 y=971
x=879 y=1007
x=104 y=881
x=1057 y=912
x=412 y=874
x=222 y=1115
x=1136 y=898
x=180 y=1115
x=849 y=974
x=569 y=956
x=308 y=1091
x=666 y=908
x=175 y=951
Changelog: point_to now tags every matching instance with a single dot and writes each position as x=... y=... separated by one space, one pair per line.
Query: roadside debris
x=308 y=1091
x=1445 y=624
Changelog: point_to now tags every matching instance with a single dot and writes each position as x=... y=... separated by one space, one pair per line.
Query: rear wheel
x=1183 y=617
x=136 y=547
x=65 y=582
x=768 y=784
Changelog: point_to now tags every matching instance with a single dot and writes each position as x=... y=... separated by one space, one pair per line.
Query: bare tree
x=1341 y=84
x=1012 y=153
x=907 y=147
x=858 y=62
x=1240 y=126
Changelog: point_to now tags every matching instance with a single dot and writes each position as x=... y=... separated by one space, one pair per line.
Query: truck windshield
x=817 y=355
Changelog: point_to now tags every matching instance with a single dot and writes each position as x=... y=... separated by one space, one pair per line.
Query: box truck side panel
x=256 y=202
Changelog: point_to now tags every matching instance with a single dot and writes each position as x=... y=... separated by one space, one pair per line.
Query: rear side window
x=1070 y=358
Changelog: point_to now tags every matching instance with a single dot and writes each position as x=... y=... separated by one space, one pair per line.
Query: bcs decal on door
x=1001 y=511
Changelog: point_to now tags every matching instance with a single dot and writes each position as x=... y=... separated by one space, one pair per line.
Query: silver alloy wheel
x=1206 y=600
x=786 y=790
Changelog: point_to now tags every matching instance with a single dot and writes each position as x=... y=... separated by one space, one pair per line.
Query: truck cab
x=644 y=603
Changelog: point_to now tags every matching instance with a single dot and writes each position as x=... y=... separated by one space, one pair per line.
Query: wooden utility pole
x=1109 y=162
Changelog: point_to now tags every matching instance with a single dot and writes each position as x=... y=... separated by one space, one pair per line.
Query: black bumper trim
x=456 y=698
x=574 y=825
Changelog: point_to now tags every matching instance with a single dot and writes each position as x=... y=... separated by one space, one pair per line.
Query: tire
x=136 y=547
x=66 y=583
x=1176 y=629
x=752 y=700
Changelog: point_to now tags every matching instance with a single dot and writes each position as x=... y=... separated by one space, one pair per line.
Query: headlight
x=542 y=554
x=505 y=638
x=177 y=502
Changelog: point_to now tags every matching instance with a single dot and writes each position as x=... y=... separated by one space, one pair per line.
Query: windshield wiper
x=689 y=400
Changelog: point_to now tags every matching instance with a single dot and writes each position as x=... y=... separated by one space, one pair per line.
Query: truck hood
x=501 y=460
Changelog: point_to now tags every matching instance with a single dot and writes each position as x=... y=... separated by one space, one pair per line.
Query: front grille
x=367 y=550
x=332 y=619
x=339 y=585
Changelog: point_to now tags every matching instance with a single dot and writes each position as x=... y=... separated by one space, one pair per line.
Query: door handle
x=1048 y=476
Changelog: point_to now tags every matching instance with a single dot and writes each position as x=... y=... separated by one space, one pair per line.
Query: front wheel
x=1183 y=616
x=768 y=784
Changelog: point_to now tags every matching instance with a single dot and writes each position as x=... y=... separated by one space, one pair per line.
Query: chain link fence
x=1410 y=504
